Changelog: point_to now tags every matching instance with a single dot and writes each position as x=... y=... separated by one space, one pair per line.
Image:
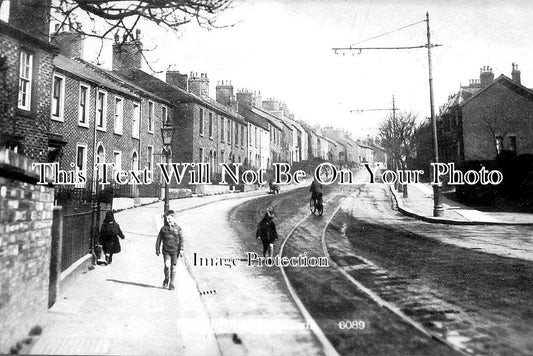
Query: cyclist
x=316 y=191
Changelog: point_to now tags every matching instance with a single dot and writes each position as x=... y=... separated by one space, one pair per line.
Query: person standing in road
x=266 y=232
x=109 y=234
x=171 y=237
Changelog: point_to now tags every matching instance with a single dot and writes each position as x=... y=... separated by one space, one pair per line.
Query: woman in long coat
x=109 y=234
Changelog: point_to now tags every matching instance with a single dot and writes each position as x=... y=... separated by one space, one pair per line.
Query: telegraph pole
x=438 y=209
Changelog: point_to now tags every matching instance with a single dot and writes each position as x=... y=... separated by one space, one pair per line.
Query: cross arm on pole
x=351 y=48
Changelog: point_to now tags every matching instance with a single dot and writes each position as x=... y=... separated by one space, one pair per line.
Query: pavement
x=122 y=309
x=419 y=204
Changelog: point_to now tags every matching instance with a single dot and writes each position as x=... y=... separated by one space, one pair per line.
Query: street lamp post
x=167 y=132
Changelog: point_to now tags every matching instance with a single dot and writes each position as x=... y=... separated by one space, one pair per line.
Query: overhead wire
x=388 y=33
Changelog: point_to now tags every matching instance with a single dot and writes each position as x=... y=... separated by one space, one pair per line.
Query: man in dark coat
x=316 y=190
x=171 y=237
x=266 y=231
x=109 y=234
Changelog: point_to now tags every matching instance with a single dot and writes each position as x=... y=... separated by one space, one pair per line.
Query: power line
x=388 y=33
x=352 y=48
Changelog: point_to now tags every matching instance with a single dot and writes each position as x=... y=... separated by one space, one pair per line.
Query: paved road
x=476 y=302
x=327 y=294
x=480 y=302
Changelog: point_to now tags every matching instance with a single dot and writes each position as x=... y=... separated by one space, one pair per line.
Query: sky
x=284 y=50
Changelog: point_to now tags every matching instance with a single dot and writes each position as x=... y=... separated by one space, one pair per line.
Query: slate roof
x=256 y=117
x=81 y=70
x=117 y=79
x=174 y=94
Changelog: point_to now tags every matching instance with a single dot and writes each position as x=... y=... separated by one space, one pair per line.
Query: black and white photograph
x=266 y=177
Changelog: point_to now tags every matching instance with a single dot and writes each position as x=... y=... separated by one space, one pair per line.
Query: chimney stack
x=175 y=78
x=515 y=74
x=486 y=76
x=199 y=85
x=31 y=16
x=70 y=42
x=224 y=92
x=245 y=98
x=128 y=53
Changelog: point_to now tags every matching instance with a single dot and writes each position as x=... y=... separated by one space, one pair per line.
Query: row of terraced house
x=115 y=116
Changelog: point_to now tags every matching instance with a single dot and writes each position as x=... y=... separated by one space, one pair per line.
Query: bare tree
x=397 y=134
x=125 y=15
x=104 y=19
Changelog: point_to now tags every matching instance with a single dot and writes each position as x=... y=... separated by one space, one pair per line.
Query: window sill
x=83 y=125
x=118 y=133
x=26 y=113
x=57 y=118
x=101 y=129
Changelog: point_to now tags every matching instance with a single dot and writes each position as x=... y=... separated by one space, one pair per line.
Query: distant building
x=485 y=118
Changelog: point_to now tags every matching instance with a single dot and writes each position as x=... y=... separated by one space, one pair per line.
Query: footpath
x=419 y=204
x=122 y=308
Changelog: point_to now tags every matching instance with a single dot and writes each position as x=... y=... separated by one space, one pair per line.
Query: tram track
x=342 y=339
x=386 y=271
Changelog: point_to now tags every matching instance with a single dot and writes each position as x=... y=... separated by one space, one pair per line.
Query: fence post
x=55 y=255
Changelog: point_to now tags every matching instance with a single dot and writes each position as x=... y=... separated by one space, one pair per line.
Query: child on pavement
x=266 y=231
x=171 y=237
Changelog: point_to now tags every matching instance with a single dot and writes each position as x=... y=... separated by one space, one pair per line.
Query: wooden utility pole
x=438 y=209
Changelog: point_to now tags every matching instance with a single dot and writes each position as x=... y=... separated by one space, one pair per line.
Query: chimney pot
x=138 y=34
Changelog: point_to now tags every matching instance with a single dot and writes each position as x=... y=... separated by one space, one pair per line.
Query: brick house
x=25 y=208
x=25 y=78
x=270 y=129
x=486 y=117
x=205 y=131
x=280 y=111
x=351 y=153
x=98 y=117
x=258 y=137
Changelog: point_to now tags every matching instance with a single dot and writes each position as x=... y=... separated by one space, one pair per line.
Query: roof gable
x=507 y=82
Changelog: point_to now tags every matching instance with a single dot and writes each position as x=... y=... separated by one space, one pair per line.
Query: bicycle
x=316 y=205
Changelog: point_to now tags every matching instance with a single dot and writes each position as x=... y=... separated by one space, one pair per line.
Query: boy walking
x=266 y=232
x=171 y=237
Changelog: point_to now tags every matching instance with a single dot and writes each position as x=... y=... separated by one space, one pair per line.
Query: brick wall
x=29 y=127
x=499 y=111
x=25 y=238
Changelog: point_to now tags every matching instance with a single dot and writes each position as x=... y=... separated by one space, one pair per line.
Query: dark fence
x=81 y=216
